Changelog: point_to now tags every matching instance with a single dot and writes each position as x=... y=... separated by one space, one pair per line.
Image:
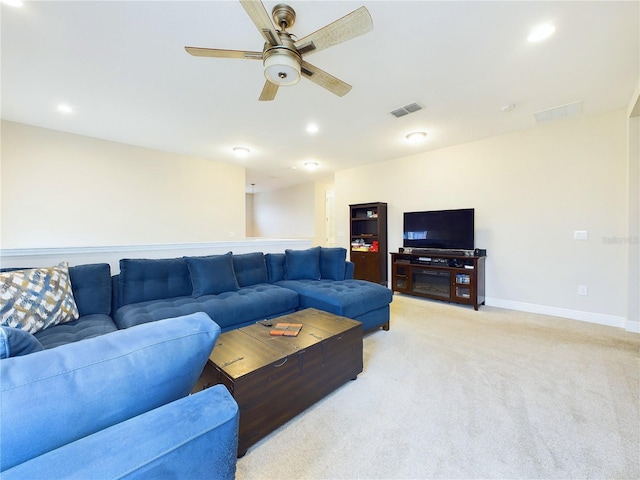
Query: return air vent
x=563 y=111
x=406 y=110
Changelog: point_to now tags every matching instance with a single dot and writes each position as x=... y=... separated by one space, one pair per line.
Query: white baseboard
x=633 y=327
x=599 y=318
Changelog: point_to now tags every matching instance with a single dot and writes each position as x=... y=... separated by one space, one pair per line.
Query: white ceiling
x=123 y=69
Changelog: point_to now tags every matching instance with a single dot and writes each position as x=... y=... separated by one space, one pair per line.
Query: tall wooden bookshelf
x=368 y=233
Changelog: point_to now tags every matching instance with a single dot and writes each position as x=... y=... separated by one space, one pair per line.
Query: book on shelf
x=286 y=329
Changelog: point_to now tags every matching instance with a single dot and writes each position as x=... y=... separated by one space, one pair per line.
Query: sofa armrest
x=349 y=270
x=193 y=437
x=74 y=390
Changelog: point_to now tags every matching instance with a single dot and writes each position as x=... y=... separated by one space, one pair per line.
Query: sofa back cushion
x=250 y=269
x=302 y=264
x=143 y=279
x=91 y=284
x=332 y=263
x=212 y=274
x=59 y=395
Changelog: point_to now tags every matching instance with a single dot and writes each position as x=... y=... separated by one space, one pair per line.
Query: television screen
x=447 y=229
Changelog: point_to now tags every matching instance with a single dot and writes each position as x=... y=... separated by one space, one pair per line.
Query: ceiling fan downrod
x=283 y=15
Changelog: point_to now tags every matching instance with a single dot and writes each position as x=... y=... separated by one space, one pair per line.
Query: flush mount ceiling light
x=241 y=152
x=541 y=32
x=282 y=66
x=416 y=137
x=508 y=107
x=311 y=165
x=13 y=3
x=312 y=128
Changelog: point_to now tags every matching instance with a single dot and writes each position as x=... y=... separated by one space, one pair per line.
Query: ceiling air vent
x=406 y=110
x=563 y=111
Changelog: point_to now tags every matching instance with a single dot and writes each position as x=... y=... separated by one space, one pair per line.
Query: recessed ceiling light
x=241 y=152
x=508 y=107
x=416 y=137
x=311 y=165
x=541 y=32
x=64 y=108
x=13 y=3
x=312 y=128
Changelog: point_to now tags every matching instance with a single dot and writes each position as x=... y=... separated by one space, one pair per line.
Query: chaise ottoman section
x=357 y=299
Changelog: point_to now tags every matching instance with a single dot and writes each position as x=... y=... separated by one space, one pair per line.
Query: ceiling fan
x=282 y=55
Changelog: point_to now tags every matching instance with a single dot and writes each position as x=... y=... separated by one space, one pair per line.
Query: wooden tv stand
x=441 y=276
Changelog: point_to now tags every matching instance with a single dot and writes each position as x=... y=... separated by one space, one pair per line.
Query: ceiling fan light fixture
x=281 y=67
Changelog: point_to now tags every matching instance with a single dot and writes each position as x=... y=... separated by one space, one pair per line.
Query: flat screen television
x=439 y=229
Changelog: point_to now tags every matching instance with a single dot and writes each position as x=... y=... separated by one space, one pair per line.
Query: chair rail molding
x=37 y=257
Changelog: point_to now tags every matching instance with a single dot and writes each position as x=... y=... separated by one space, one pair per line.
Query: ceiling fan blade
x=219 y=53
x=350 y=26
x=259 y=16
x=268 y=91
x=325 y=80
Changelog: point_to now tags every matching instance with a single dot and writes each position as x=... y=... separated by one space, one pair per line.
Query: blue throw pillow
x=332 y=263
x=302 y=264
x=212 y=275
x=250 y=269
x=275 y=266
x=15 y=342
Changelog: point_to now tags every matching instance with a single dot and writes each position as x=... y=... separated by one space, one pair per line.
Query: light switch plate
x=580 y=235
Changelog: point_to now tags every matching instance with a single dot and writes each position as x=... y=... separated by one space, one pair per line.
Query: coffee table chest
x=275 y=378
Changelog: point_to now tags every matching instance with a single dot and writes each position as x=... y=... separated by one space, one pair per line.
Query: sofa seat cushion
x=228 y=309
x=87 y=326
x=349 y=298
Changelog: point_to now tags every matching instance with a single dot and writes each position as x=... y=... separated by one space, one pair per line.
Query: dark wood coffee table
x=275 y=378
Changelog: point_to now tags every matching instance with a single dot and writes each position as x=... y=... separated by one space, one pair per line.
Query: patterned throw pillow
x=36 y=298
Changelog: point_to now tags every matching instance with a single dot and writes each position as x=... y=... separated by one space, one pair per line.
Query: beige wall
x=63 y=190
x=531 y=190
x=293 y=212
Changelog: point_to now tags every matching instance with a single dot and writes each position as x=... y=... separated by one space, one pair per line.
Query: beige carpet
x=453 y=393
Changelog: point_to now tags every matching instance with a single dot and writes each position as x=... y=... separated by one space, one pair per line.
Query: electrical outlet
x=580 y=235
x=582 y=290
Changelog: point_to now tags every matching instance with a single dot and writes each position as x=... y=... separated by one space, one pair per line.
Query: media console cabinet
x=440 y=276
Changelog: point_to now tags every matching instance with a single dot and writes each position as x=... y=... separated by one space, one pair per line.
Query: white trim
x=258 y=242
x=599 y=318
x=633 y=327
x=38 y=257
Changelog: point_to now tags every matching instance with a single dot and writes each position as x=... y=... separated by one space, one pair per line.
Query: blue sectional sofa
x=105 y=392
x=116 y=406
x=238 y=290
